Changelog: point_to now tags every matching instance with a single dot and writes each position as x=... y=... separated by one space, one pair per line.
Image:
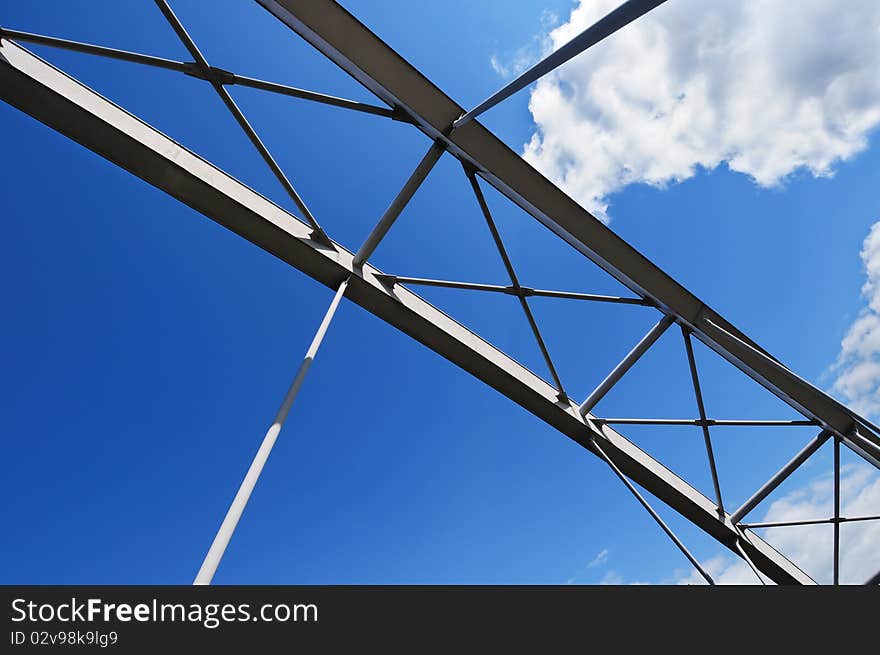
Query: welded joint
x=400 y=114
x=211 y=74
x=386 y=280
x=519 y=291
x=318 y=235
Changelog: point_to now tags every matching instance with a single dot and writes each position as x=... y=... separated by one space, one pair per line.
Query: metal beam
x=525 y=292
x=707 y=439
x=625 y=364
x=206 y=72
x=514 y=281
x=780 y=476
x=836 y=560
x=192 y=69
x=62 y=103
x=233 y=514
x=91 y=49
x=744 y=555
x=698 y=422
x=786 y=524
x=654 y=515
x=400 y=201
x=342 y=38
x=601 y=29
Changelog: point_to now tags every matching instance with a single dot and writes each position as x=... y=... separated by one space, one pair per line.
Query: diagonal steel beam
x=836 y=555
x=654 y=515
x=601 y=29
x=514 y=281
x=781 y=476
x=788 y=524
x=412 y=184
x=62 y=103
x=625 y=364
x=206 y=71
x=343 y=39
x=701 y=408
x=218 y=547
x=511 y=290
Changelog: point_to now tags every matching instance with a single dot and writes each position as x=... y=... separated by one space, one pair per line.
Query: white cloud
x=811 y=547
x=858 y=365
x=763 y=86
x=611 y=578
x=600 y=559
x=723 y=568
x=512 y=64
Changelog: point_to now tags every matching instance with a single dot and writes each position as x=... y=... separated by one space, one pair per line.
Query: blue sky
x=145 y=348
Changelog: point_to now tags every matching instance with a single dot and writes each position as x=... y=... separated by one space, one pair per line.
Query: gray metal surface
x=233 y=514
x=343 y=39
x=625 y=364
x=69 y=107
x=47 y=94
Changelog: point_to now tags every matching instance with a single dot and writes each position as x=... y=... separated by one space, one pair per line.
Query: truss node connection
x=213 y=74
x=59 y=101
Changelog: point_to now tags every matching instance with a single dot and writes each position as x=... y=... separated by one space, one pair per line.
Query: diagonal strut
x=206 y=70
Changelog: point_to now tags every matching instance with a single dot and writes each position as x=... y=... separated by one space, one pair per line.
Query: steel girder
x=52 y=97
x=341 y=37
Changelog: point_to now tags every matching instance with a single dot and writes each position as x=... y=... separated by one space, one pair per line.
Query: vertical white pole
x=224 y=534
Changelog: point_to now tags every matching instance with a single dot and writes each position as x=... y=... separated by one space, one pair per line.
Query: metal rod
x=270 y=162
x=187 y=68
x=863 y=447
x=850 y=519
x=748 y=560
x=589 y=296
x=836 y=575
x=543 y=348
x=696 y=421
x=224 y=534
x=182 y=34
x=780 y=476
x=448 y=284
x=786 y=524
x=620 y=17
x=490 y=222
x=627 y=362
x=499 y=244
x=88 y=48
x=644 y=503
x=512 y=290
x=318 y=233
x=46 y=94
x=322 y=98
x=698 y=394
x=781 y=368
x=403 y=197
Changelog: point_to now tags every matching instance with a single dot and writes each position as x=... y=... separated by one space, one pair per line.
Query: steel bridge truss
x=66 y=105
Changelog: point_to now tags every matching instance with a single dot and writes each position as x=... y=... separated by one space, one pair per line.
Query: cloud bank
x=764 y=87
x=858 y=365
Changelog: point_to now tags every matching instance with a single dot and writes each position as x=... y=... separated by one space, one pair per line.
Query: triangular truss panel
x=398 y=94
